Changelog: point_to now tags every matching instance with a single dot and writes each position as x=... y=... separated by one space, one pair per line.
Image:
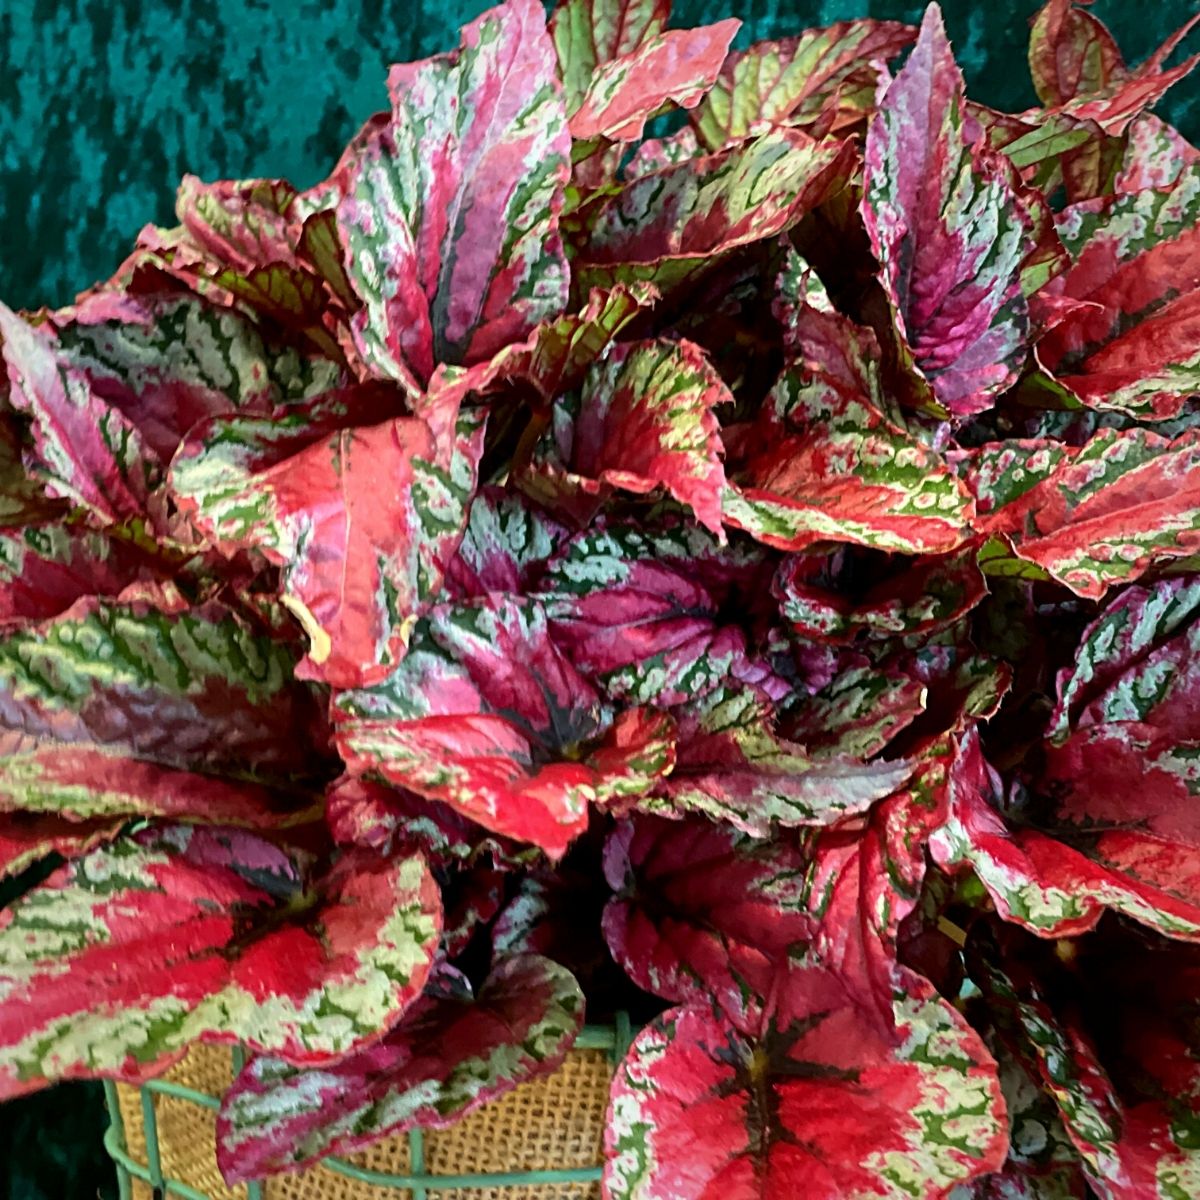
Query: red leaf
x=180 y=933
x=811 y=1100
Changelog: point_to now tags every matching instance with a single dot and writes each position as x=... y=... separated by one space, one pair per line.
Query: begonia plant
x=708 y=533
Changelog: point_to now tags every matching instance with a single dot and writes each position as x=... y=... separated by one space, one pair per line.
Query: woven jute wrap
x=546 y=1124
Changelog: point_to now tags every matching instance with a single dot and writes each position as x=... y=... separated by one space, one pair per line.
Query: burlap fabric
x=546 y=1124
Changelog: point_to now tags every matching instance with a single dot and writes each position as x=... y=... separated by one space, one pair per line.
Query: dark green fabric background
x=104 y=104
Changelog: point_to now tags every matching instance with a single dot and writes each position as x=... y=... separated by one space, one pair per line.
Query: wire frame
x=418 y=1182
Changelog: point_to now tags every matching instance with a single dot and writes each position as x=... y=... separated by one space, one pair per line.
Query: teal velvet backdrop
x=104 y=104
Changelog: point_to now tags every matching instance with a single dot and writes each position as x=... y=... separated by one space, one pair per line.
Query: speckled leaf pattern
x=821 y=77
x=486 y=714
x=363 y=520
x=84 y=449
x=217 y=716
x=640 y=613
x=670 y=225
x=948 y=231
x=1130 y=341
x=732 y=766
x=248 y=948
x=168 y=361
x=1059 y=883
x=450 y=216
x=644 y=421
x=505 y=546
x=852 y=476
x=673 y=68
x=812 y=1100
x=1093 y=517
x=858 y=713
x=444 y=1059
x=1155 y=156
x=929 y=596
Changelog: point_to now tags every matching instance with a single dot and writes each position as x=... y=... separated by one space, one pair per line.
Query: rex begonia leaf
x=732 y=766
x=1135 y=662
x=677 y=66
x=587 y=34
x=948 y=231
x=928 y=595
x=852 y=475
x=45 y=566
x=445 y=1058
x=84 y=449
x=821 y=76
x=670 y=225
x=702 y=910
x=556 y=356
x=181 y=933
x=1057 y=872
x=27 y=838
x=655 y=617
x=365 y=812
x=121 y=709
x=505 y=546
x=362 y=520
x=644 y=419
x=450 y=219
x=1093 y=517
x=486 y=714
x=1110 y=1037
x=169 y=361
x=1042 y=1162
x=812 y=1099
x=858 y=713
x=1129 y=342
x=1078 y=68
x=865 y=878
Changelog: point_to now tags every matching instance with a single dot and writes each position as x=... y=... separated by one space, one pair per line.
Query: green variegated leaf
x=821 y=77
x=486 y=714
x=587 y=34
x=675 y=67
x=640 y=613
x=120 y=709
x=669 y=226
x=853 y=475
x=1094 y=517
x=1128 y=339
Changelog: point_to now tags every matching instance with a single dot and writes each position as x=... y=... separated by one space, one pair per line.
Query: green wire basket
x=537 y=1113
